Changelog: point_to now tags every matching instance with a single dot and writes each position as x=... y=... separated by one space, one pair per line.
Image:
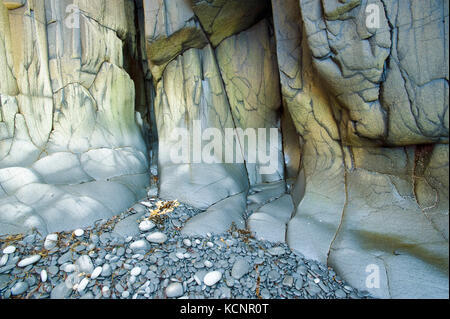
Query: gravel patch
x=159 y=262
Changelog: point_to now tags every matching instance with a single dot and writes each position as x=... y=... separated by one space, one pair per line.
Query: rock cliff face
x=71 y=150
x=92 y=92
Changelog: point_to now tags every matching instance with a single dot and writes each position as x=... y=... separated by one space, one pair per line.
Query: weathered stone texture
x=67 y=115
x=355 y=90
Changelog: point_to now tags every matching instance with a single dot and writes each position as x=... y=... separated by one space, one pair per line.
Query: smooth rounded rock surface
x=19 y=288
x=140 y=245
x=44 y=275
x=9 y=250
x=240 y=268
x=50 y=241
x=157 y=238
x=136 y=271
x=212 y=278
x=29 y=261
x=174 y=290
x=97 y=271
x=78 y=232
x=146 y=225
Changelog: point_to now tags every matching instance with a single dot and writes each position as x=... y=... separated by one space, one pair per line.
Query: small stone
x=29 y=261
x=89 y=295
x=82 y=285
x=240 y=268
x=348 y=288
x=174 y=290
x=288 y=281
x=208 y=264
x=50 y=241
x=187 y=242
x=44 y=275
x=276 y=251
x=212 y=278
x=136 y=271
x=106 y=270
x=265 y=294
x=66 y=257
x=4 y=260
x=340 y=294
x=68 y=268
x=125 y=294
x=9 y=250
x=53 y=270
x=19 y=288
x=146 y=225
x=79 y=232
x=120 y=252
x=179 y=255
x=157 y=237
x=302 y=270
x=140 y=245
x=106 y=292
x=299 y=283
x=84 y=264
x=199 y=276
x=61 y=291
x=97 y=272
x=273 y=275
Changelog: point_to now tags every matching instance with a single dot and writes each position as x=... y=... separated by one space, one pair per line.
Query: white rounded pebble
x=125 y=294
x=174 y=290
x=208 y=264
x=210 y=244
x=128 y=239
x=136 y=271
x=187 y=242
x=9 y=250
x=139 y=245
x=212 y=278
x=317 y=280
x=146 y=225
x=82 y=285
x=79 y=232
x=29 y=261
x=157 y=238
x=19 y=288
x=4 y=260
x=50 y=241
x=97 y=271
x=44 y=275
x=106 y=292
